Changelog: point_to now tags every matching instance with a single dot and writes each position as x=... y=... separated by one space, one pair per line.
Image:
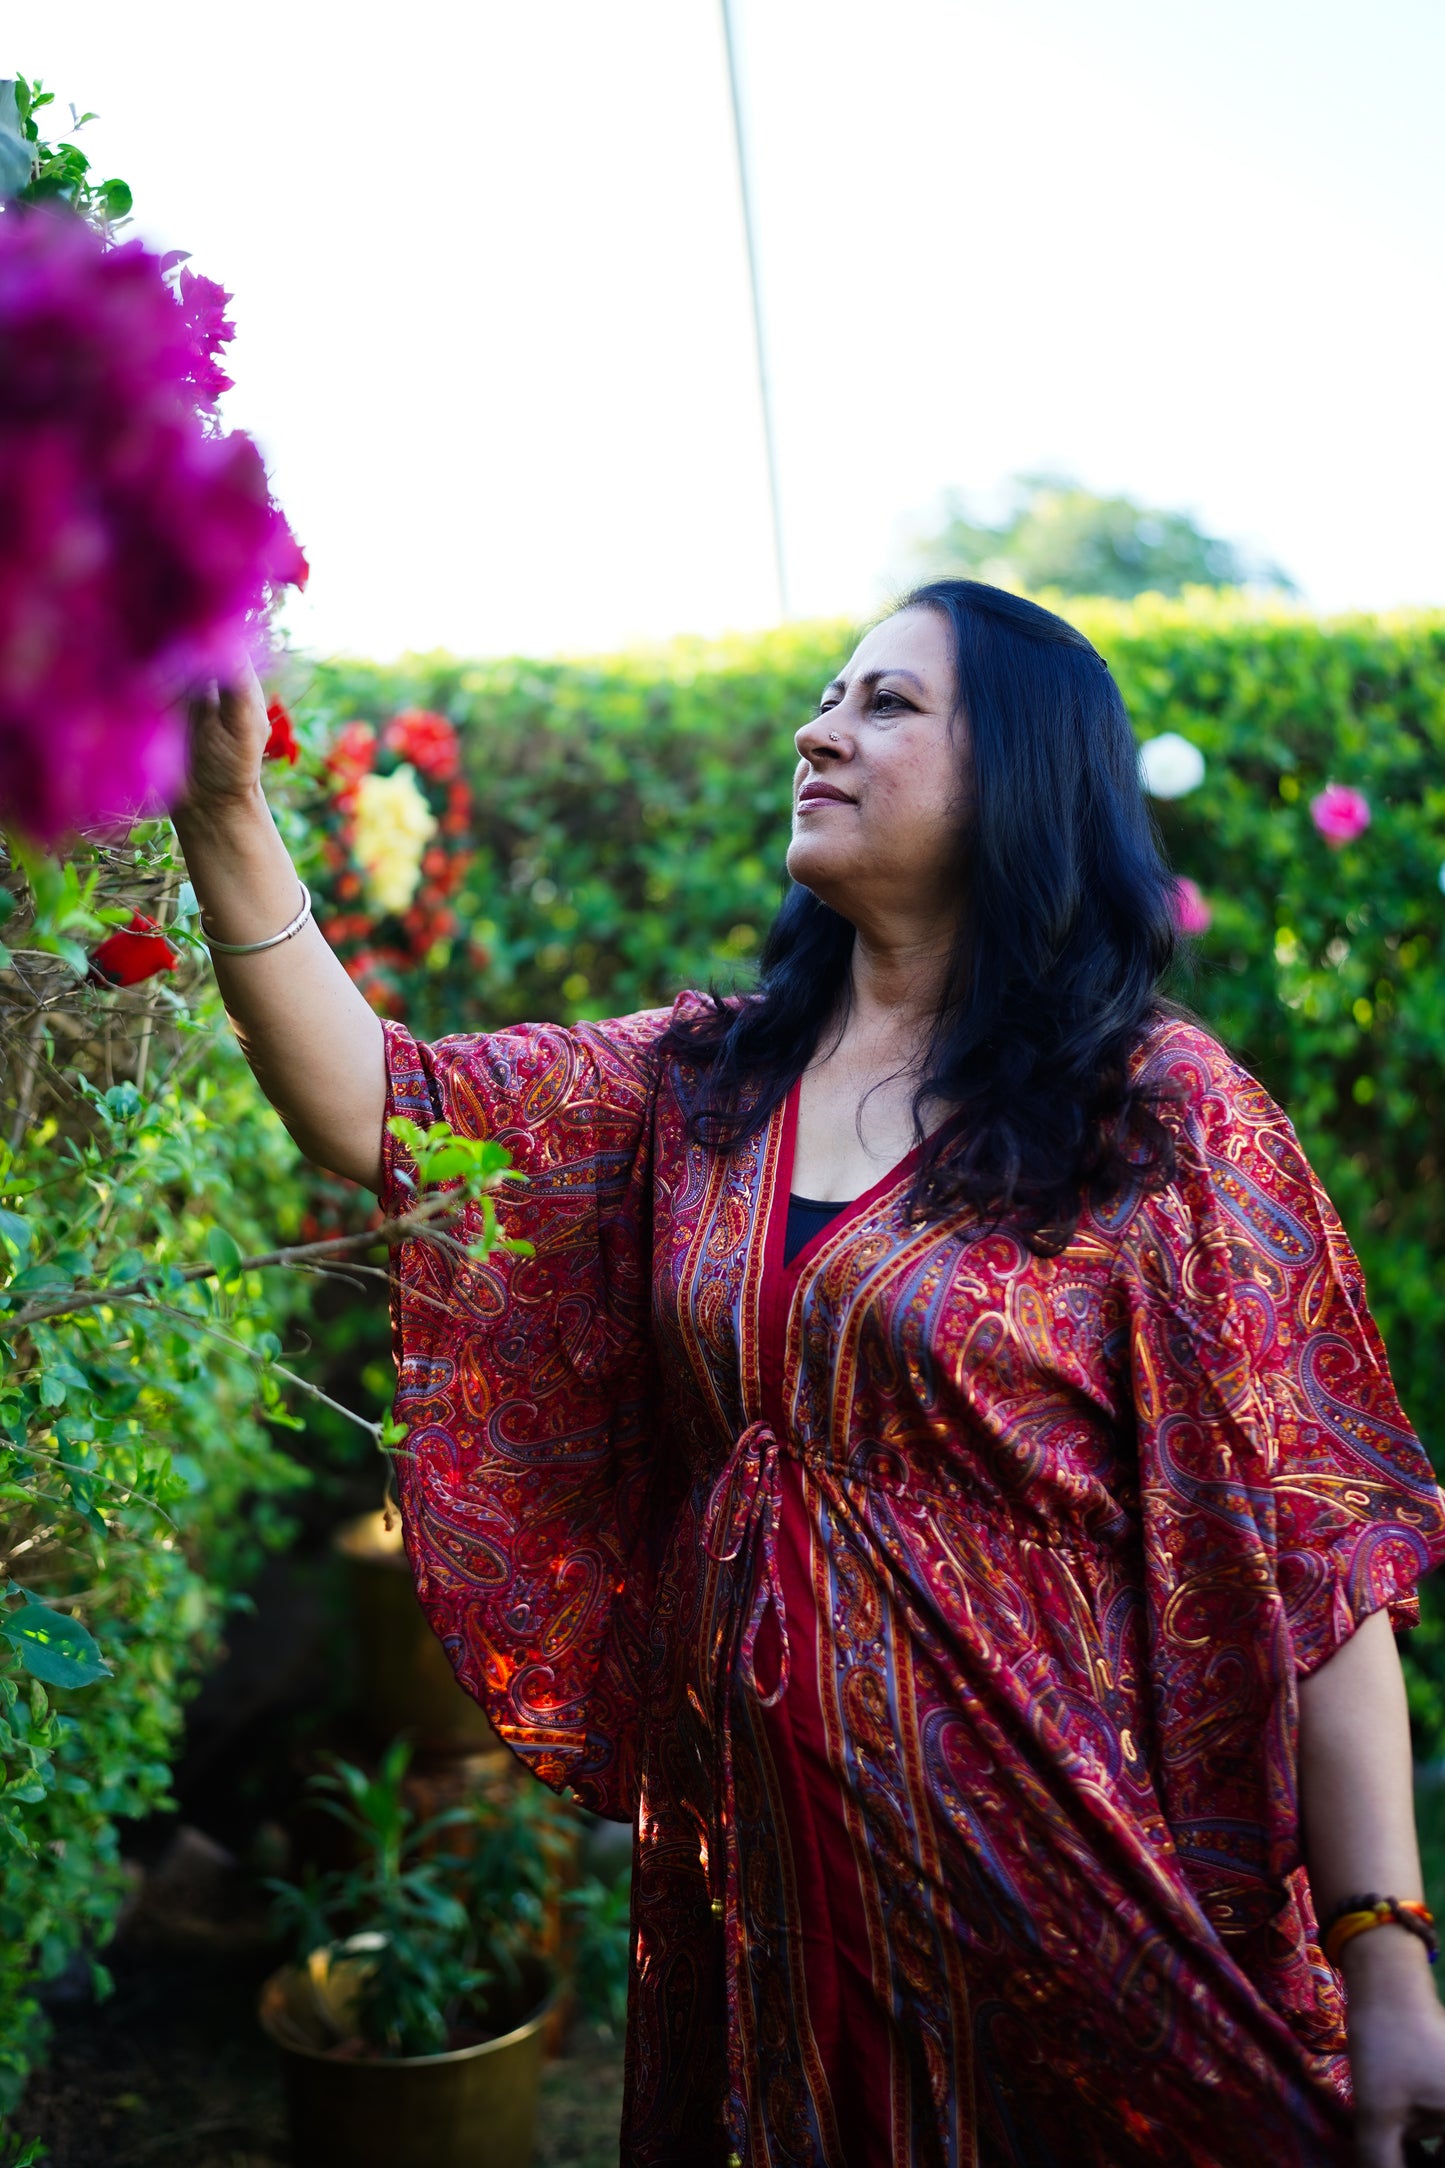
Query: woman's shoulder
x=1235 y=1147
x=1197 y=1082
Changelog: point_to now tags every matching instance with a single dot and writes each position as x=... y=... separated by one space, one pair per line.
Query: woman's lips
x=813 y=794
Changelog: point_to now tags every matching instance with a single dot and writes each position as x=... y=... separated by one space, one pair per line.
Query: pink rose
x=1340 y=814
x=1192 y=913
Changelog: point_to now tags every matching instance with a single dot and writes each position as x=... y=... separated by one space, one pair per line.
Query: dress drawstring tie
x=740 y=1529
x=741 y=1524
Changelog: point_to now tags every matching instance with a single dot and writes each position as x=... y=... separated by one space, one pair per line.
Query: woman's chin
x=812 y=864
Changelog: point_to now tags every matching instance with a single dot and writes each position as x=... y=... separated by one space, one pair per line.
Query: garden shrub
x=631 y=815
x=141 y=1478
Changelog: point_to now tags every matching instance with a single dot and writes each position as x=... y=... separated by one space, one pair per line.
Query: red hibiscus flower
x=353 y=755
x=132 y=953
x=281 y=745
x=428 y=741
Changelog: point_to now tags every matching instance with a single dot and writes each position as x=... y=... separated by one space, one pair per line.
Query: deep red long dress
x=934 y=1610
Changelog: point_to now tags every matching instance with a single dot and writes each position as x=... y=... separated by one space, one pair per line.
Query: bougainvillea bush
x=142 y=1470
x=631 y=815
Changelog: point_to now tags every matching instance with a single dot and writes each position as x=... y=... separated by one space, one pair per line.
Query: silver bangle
x=253 y=948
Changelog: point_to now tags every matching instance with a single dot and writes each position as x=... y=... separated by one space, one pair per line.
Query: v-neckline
x=779 y=1280
x=848 y=1207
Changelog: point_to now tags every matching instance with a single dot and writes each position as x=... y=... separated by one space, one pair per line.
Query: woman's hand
x=228 y=734
x=1397 y=2045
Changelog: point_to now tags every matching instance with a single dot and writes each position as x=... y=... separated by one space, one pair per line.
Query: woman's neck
x=897 y=987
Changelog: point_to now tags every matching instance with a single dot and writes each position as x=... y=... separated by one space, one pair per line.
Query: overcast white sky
x=491 y=290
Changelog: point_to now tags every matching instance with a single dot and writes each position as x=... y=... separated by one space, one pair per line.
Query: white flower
x=1169 y=766
x=393 y=825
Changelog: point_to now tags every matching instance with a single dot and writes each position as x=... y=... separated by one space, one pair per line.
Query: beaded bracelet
x=1357 y=1915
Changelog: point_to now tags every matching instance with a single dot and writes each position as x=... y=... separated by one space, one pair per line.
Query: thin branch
x=292 y=1377
x=419 y=1221
x=29 y=1061
x=92 y=1475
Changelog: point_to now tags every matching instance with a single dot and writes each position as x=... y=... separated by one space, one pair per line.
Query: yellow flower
x=393 y=825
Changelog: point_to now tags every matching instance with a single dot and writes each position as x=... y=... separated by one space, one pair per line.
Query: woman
x=935 y=1474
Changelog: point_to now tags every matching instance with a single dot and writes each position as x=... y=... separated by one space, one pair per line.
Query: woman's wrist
x=1387 y=1965
x=237 y=817
x=242 y=873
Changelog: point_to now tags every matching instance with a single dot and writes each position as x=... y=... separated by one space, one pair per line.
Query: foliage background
x=632 y=813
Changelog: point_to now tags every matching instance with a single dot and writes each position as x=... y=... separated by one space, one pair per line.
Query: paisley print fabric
x=934 y=1611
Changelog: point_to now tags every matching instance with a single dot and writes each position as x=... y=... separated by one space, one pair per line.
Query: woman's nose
x=821 y=738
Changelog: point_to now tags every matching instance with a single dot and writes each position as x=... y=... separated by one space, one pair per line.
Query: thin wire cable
x=765 y=390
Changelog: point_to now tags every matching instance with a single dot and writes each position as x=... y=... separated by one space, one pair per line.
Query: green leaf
x=446 y=1164
x=39 y=1276
x=15 y=1229
x=117 y=198
x=54 y=1647
x=14 y=150
x=122 y=1101
x=223 y=1250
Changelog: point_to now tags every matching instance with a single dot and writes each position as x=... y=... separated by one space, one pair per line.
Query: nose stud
x=834 y=736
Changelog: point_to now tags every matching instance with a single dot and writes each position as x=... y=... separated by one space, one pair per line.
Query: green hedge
x=633 y=817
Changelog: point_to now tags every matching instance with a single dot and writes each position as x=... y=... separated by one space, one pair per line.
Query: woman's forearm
x=1358 y=1802
x=314 y=1044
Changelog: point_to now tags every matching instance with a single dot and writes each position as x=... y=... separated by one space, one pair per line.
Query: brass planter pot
x=406 y=1680
x=475 y=2107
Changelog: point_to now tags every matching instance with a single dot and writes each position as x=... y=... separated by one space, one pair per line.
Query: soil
x=172 y=2071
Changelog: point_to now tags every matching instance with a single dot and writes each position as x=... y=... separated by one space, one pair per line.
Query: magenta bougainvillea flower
x=1340 y=814
x=138 y=545
x=203 y=305
x=133 y=953
x=1192 y=913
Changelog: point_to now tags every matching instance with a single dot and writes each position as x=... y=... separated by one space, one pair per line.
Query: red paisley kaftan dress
x=933 y=1610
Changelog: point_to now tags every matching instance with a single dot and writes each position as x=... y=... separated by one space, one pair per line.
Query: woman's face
x=878 y=795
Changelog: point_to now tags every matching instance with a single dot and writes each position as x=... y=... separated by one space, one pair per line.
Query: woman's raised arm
x=314 y=1044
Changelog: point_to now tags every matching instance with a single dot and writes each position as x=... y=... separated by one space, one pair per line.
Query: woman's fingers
x=227 y=733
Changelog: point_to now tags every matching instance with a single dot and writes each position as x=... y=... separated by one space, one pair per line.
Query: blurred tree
x=1057 y=534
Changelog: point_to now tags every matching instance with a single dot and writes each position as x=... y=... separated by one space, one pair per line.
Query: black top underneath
x=808 y=1216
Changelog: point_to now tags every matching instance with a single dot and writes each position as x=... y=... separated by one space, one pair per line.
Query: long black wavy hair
x=1068 y=929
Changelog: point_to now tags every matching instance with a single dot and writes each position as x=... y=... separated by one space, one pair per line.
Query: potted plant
x=411 y=2024
x=405 y=1678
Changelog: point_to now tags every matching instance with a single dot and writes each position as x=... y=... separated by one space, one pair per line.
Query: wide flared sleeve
x=533 y=1501
x=1284 y=1494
